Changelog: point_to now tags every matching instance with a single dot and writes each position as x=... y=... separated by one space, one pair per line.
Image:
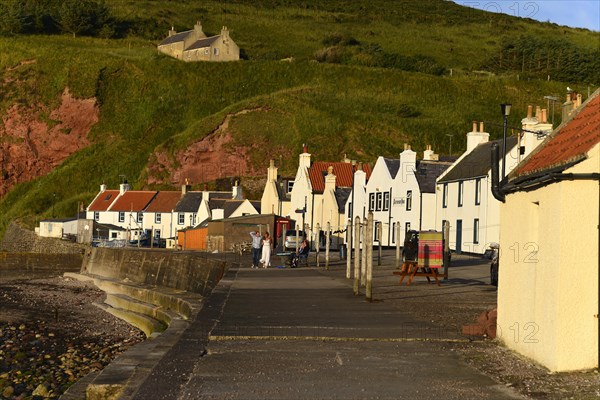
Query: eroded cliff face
x=217 y=155
x=35 y=139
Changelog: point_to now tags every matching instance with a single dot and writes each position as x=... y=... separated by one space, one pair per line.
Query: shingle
x=393 y=165
x=201 y=43
x=477 y=163
x=190 y=202
x=427 y=172
x=178 y=37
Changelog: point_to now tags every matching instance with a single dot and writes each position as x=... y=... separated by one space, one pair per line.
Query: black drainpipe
x=496 y=189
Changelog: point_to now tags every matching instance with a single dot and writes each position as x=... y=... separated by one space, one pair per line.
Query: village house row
x=544 y=214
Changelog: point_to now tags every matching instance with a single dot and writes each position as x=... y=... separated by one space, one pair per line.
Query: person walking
x=256 y=245
x=266 y=251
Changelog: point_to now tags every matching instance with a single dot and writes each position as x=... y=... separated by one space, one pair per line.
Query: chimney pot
x=538 y=111
x=304 y=148
x=474 y=126
x=481 y=127
x=406 y=146
x=271 y=163
x=529 y=111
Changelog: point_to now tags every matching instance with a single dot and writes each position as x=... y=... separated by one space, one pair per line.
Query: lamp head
x=505 y=107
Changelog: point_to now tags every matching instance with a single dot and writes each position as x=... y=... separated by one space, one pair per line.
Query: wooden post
x=398 y=255
x=369 y=251
x=152 y=237
x=317 y=244
x=380 y=236
x=363 y=264
x=327 y=235
x=297 y=237
x=446 y=234
x=356 y=255
x=349 y=250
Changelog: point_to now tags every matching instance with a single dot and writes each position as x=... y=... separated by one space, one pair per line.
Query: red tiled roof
x=343 y=172
x=164 y=201
x=133 y=200
x=104 y=200
x=569 y=143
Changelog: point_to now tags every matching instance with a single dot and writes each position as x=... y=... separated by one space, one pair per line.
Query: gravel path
x=51 y=335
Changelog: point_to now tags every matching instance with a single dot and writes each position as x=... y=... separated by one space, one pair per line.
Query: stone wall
x=192 y=271
x=20 y=240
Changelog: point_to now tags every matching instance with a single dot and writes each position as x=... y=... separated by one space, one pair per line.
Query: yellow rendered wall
x=548 y=283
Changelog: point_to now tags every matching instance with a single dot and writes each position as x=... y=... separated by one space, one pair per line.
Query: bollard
x=446 y=233
x=327 y=233
x=398 y=258
x=369 y=267
x=318 y=243
x=349 y=250
x=356 y=255
x=380 y=235
x=363 y=264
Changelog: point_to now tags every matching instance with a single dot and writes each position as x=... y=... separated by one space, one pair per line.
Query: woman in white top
x=266 y=251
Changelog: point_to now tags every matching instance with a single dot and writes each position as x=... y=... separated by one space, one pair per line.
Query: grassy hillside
x=148 y=101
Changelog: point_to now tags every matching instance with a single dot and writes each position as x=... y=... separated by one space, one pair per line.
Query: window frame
x=477 y=191
x=445 y=195
x=408 y=200
x=379 y=201
x=96 y=216
x=461 y=187
x=180 y=218
x=158 y=218
x=121 y=216
x=386 y=201
x=371 y=201
x=476 y=231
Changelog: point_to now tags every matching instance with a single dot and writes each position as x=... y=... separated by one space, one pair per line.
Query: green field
x=380 y=93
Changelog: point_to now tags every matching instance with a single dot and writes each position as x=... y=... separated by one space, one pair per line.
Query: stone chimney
x=360 y=177
x=475 y=137
x=102 y=188
x=198 y=30
x=172 y=31
x=304 y=161
x=530 y=121
x=272 y=172
x=408 y=163
x=123 y=187
x=330 y=179
x=186 y=187
x=225 y=34
x=236 y=192
x=568 y=106
x=429 y=155
x=346 y=159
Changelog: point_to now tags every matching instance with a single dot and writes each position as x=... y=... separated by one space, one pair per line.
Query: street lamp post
x=505 y=108
x=450 y=136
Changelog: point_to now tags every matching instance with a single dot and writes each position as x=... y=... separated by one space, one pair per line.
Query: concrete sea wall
x=37 y=265
x=190 y=271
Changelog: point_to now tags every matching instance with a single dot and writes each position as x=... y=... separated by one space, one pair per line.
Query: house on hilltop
x=194 y=45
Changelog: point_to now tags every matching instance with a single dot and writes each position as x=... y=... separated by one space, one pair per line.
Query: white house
x=464 y=190
x=548 y=275
x=317 y=196
x=400 y=191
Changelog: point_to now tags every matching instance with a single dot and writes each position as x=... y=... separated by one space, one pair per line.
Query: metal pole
x=349 y=250
x=298 y=237
x=363 y=265
x=369 y=268
x=356 y=255
x=398 y=257
x=504 y=129
x=327 y=233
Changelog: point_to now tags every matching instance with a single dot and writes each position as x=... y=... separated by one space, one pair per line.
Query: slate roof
x=178 y=37
x=110 y=226
x=342 y=170
x=190 y=202
x=477 y=163
x=341 y=196
x=393 y=165
x=568 y=144
x=201 y=43
x=427 y=172
x=104 y=200
x=256 y=204
x=133 y=200
x=165 y=201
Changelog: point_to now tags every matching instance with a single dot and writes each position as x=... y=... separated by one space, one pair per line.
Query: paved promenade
x=302 y=334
